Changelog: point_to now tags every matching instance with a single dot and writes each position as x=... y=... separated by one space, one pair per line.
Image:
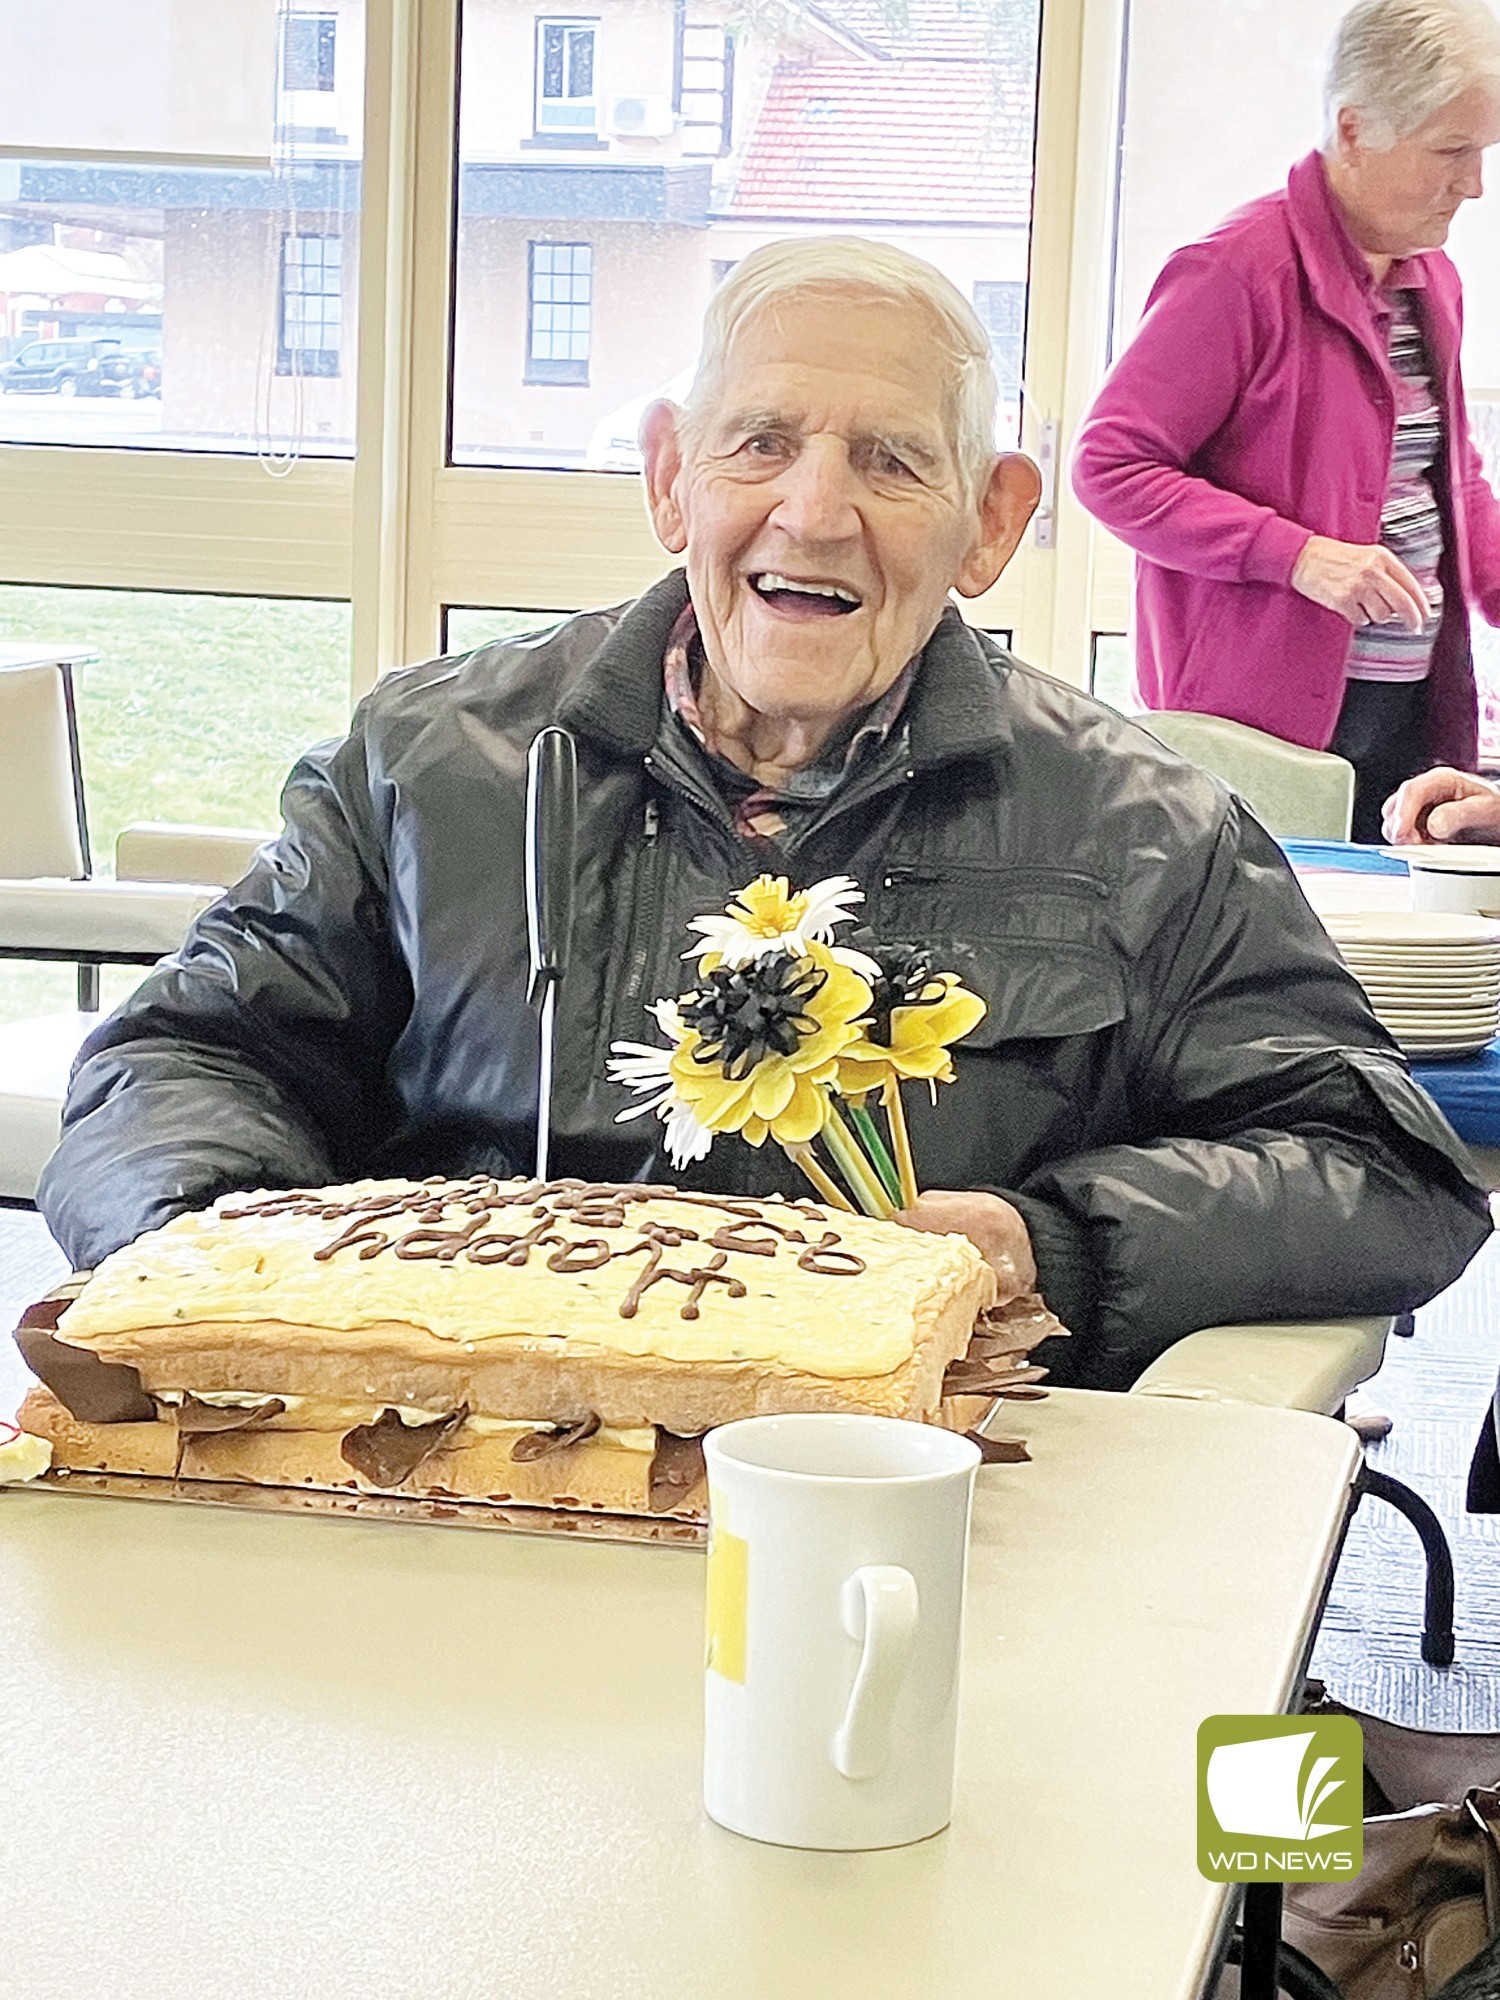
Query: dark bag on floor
x=1425 y=1902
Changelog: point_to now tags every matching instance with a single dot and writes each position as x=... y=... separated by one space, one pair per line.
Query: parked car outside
x=79 y=368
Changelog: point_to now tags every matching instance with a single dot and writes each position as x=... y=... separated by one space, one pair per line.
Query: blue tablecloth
x=1468 y=1090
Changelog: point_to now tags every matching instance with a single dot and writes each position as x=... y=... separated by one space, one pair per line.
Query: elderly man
x=1285 y=443
x=1178 y=1109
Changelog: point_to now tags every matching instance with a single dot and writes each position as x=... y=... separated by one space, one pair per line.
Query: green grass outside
x=195 y=710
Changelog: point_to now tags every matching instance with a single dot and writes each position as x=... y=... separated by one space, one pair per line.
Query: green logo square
x=1280 y=1798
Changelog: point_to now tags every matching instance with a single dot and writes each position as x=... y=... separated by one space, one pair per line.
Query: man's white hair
x=1397 y=62
x=855 y=267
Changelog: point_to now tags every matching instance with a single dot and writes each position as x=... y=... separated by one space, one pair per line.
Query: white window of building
x=705 y=88
x=565 y=97
x=560 y=312
x=312 y=305
x=307 y=45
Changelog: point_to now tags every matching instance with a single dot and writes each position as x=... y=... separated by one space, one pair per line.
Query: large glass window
x=659 y=141
x=196 y=707
x=179 y=211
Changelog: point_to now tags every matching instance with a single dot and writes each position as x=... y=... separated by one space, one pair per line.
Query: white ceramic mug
x=837 y=1554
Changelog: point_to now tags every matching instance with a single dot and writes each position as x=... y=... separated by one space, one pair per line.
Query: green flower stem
x=856 y=1170
x=868 y=1132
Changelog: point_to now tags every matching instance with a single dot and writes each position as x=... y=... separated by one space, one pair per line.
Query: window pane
x=465 y=627
x=197 y=706
x=142 y=294
x=1111 y=674
x=695 y=138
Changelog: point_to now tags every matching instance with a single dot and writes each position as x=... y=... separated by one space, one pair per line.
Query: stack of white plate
x=1433 y=979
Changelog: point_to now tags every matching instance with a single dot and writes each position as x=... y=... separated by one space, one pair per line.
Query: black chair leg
x=1260 y=1941
x=1295 y=1976
x=88 y=989
x=1437 y=1634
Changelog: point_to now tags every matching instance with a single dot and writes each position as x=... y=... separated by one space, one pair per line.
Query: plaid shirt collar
x=759 y=813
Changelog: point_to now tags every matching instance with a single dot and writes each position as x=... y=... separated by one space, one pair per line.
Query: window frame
x=401 y=531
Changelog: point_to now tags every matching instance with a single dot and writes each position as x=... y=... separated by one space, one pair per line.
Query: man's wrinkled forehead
x=873 y=389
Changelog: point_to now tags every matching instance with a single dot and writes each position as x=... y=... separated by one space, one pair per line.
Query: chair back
x=1297 y=793
x=42 y=826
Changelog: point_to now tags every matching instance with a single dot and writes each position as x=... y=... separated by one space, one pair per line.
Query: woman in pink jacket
x=1285 y=443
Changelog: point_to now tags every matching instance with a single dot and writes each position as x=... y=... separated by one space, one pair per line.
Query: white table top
x=262 y=1756
x=41 y=653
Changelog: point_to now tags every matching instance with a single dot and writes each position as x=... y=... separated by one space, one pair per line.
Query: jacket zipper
x=932 y=878
x=643 y=925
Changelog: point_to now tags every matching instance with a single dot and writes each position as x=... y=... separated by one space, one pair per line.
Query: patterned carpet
x=1436 y=1385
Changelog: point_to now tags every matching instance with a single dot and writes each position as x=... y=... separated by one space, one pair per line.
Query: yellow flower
x=761 y=1044
x=769 y=917
x=918 y=1037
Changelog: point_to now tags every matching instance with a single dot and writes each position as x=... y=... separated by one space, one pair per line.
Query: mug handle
x=878 y=1604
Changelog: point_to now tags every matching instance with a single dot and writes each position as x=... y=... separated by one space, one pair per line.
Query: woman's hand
x=993 y=1226
x=1366 y=585
x=1442 y=805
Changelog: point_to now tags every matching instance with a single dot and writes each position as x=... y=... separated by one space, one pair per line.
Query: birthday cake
x=508 y=1343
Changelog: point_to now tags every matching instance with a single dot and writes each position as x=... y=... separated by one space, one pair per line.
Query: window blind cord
x=282 y=227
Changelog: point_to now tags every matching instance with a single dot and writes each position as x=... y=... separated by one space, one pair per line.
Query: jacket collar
x=956 y=708
x=1337 y=275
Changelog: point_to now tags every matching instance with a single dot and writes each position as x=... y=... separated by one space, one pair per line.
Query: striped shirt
x=1411 y=522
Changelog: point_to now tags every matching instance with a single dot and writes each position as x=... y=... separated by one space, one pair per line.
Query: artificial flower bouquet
x=789 y=1036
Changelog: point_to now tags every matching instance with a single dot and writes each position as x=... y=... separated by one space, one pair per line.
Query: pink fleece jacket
x=1253 y=409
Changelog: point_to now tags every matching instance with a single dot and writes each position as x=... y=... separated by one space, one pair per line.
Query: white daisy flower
x=769 y=917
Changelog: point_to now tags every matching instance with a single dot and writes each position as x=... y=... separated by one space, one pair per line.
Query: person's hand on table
x=992 y=1225
x=1365 y=584
x=1442 y=805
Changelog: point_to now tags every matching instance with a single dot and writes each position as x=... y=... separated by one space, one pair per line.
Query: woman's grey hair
x=1397 y=62
x=855 y=267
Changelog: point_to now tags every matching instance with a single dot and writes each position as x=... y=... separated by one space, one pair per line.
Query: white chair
x=1297 y=793
x=53 y=907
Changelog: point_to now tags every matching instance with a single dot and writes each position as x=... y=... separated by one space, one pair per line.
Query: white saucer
x=1449 y=860
x=1404 y=928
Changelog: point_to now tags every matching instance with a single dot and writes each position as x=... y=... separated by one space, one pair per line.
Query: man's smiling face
x=822 y=512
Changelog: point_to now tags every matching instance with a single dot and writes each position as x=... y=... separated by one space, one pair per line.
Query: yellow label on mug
x=728 y=1581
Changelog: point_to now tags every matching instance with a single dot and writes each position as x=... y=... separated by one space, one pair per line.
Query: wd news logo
x=1280 y=1798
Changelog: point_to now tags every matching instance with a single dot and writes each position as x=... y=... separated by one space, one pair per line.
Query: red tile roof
x=909 y=140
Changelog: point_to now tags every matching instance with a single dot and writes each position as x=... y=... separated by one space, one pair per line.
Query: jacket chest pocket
x=1031 y=942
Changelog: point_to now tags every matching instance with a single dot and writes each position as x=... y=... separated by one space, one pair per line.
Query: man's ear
x=1005 y=506
x=661 y=447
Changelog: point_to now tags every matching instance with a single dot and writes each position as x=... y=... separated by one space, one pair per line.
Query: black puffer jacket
x=1176 y=1079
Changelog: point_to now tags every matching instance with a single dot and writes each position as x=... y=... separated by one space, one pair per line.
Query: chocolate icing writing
x=751 y=1231
x=828 y=1260
x=697 y=1280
